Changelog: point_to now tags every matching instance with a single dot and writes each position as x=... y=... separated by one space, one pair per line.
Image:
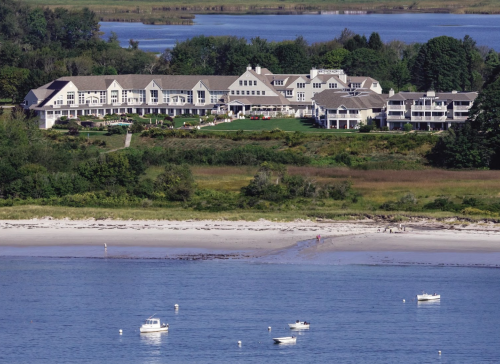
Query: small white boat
x=299 y=325
x=153 y=325
x=285 y=340
x=428 y=297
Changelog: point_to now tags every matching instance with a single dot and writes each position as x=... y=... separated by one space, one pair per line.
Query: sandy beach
x=363 y=242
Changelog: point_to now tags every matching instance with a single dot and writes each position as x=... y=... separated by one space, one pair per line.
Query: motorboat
x=299 y=325
x=428 y=297
x=153 y=325
x=285 y=340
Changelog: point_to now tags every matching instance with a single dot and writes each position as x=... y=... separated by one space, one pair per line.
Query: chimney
x=314 y=73
x=343 y=77
x=454 y=92
x=257 y=69
x=249 y=67
x=391 y=92
x=431 y=93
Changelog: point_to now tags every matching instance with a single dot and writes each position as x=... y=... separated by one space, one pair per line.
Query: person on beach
x=318 y=238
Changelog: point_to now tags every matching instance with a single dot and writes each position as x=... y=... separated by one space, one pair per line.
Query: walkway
x=128 y=139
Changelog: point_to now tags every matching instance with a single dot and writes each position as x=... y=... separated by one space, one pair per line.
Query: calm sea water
x=59 y=310
x=314 y=28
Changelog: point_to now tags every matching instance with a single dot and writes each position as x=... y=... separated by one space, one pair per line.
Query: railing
x=56 y=106
x=344 y=116
x=153 y=103
x=461 y=107
x=460 y=117
x=74 y=105
x=115 y=103
x=395 y=117
x=428 y=118
x=396 y=107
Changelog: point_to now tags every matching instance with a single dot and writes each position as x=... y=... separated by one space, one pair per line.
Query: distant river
x=485 y=29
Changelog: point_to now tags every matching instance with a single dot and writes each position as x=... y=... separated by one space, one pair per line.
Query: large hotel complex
x=333 y=98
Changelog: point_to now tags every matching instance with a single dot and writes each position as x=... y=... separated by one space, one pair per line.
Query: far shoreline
x=341 y=242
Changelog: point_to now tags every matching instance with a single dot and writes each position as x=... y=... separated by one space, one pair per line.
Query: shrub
x=175 y=184
x=118 y=129
x=407 y=127
x=365 y=128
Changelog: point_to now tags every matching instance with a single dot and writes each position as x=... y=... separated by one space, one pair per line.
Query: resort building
x=349 y=108
x=256 y=91
x=428 y=110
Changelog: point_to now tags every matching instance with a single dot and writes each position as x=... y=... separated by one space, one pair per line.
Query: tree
x=11 y=80
x=335 y=58
x=441 y=64
x=400 y=75
x=176 y=183
x=375 y=42
x=366 y=62
x=356 y=42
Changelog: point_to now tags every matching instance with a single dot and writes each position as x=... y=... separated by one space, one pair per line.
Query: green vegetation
x=288 y=124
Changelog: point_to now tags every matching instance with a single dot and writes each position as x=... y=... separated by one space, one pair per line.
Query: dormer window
x=316 y=85
x=278 y=82
x=332 y=85
x=355 y=85
x=301 y=85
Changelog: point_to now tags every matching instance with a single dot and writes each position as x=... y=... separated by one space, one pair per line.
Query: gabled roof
x=131 y=82
x=453 y=96
x=333 y=99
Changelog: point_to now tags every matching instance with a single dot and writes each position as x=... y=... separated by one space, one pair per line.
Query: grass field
x=304 y=125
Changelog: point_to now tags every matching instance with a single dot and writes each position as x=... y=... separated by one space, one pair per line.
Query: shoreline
x=363 y=242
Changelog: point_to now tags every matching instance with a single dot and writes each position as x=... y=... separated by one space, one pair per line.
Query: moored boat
x=153 y=325
x=428 y=297
x=299 y=325
x=285 y=340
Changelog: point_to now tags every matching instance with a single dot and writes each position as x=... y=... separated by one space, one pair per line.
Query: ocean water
x=70 y=310
x=409 y=28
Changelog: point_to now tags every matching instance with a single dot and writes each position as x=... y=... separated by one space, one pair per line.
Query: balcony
x=115 y=103
x=428 y=118
x=56 y=106
x=344 y=116
x=395 y=107
x=428 y=107
x=461 y=107
x=395 y=117
x=153 y=103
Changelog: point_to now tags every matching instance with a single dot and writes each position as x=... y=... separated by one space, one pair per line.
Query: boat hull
x=285 y=340
x=298 y=326
x=425 y=297
x=146 y=330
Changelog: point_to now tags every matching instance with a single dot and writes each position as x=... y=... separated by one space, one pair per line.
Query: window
x=375 y=84
x=255 y=83
x=59 y=100
x=353 y=111
x=245 y=83
x=166 y=96
x=214 y=97
x=142 y=96
x=355 y=85
x=258 y=92
x=263 y=93
x=102 y=97
x=332 y=85
x=301 y=96
x=124 y=96
x=237 y=92
x=114 y=96
x=232 y=92
x=70 y=96
x=316 y=85
x=278 y=82
x=301 y=85
x=241 y=83
x=289 y=92
x=154 y=95
x=248 y=92
x=81 y=98
x=201 y=97
x=190 y=97
x=253 y=92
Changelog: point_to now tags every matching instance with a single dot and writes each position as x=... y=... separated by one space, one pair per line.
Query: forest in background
x=38 y=45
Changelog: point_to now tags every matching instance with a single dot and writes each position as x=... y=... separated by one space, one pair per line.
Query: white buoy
x=105 y=246
x=404 y=300
x=439 y=352
x=121 y=331
x=239 y=343
x=176 y=306
x=269 y=328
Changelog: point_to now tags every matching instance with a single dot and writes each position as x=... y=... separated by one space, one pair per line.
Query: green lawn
x=304 y=125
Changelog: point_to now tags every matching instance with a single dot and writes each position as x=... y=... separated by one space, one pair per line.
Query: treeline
x=442 y=64
x=38 y=45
